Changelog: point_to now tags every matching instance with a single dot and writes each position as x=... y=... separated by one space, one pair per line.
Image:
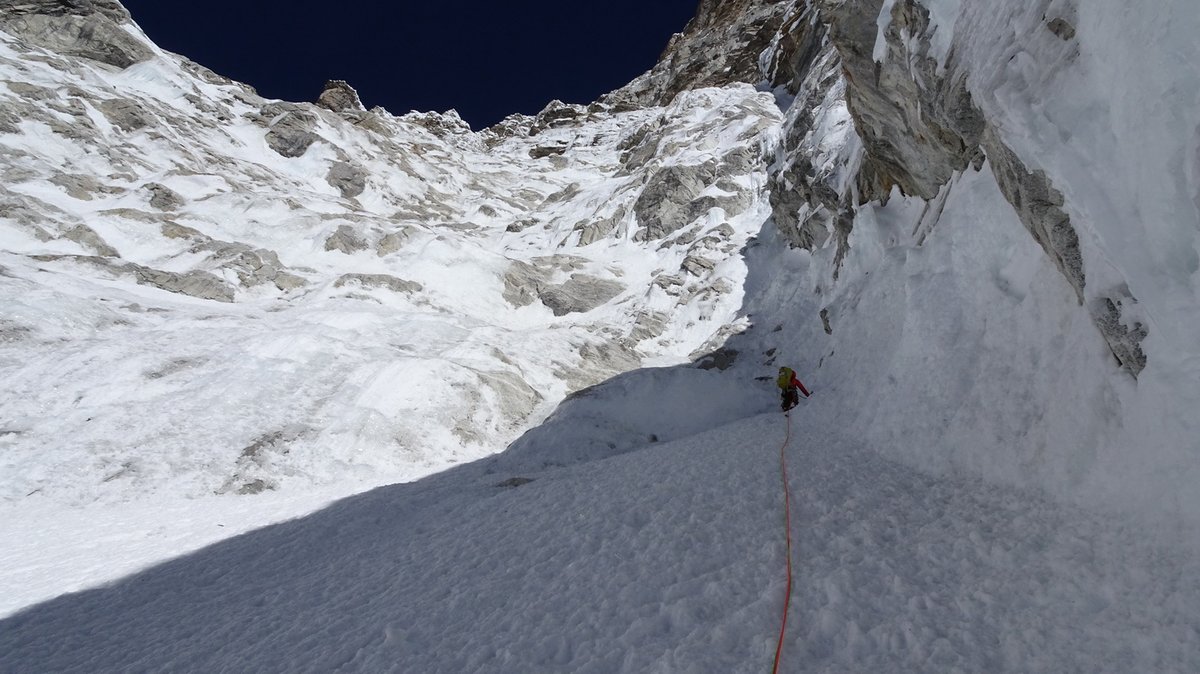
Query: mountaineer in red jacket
x=791 y=388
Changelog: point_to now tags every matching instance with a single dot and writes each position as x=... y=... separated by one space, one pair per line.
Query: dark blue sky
x=485 y=59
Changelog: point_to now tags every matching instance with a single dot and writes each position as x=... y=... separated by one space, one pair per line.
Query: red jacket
x=796 y=384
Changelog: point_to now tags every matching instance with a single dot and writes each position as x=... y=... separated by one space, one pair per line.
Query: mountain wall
x=919 y=134
x=206 y=291
x=972 y=226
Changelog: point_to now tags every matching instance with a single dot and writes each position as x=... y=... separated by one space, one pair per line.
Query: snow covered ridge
x=206 y=291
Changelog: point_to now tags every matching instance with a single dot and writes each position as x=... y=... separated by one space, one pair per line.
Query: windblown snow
x=302 y=388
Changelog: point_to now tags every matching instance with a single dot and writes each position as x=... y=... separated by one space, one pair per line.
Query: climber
x=790 y=387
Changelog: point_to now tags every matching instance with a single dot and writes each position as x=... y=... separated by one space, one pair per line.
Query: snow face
x=942 y=17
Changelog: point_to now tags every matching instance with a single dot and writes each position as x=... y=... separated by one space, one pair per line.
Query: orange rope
x=787 y=512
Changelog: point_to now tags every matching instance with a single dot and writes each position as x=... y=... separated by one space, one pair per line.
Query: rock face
x=347 y=178
x=385 y=281
x=1039 y=205
x=912 y=110
x=721 y=45
x=87 y=28
x=109 y=9
x=556 y=114
x=581 y=293
x=125 y=114
x=339 y=96
x=918 y=127
x=290 y=128
x=665 y=205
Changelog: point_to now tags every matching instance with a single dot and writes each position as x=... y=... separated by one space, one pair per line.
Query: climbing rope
x=787 y=517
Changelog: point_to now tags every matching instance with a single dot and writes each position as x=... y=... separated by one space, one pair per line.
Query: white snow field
x=535 y=431
x=666 y=559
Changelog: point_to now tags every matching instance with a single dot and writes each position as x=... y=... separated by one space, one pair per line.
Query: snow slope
x=669 y=558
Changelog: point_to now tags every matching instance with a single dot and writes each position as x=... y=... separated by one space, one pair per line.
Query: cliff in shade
x=972 y=226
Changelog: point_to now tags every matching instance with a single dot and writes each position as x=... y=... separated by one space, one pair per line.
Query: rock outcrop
x=339 y=96
x=721 y=45
x=1115 y=314
x=290 y=128
x=87 y=28
x=346 y=239
x=349 y=179
x=525 y=283
x=89 y=239
x=579 y=294
x=163 y=198
x=200 y=284
x=918 y=126
x=385 y=281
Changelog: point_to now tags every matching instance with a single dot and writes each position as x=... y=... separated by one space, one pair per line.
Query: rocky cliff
x=913 y=112
x=1024 y=95
x=913 y=128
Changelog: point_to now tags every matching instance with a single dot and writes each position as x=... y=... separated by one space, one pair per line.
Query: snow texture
x=664 y=559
